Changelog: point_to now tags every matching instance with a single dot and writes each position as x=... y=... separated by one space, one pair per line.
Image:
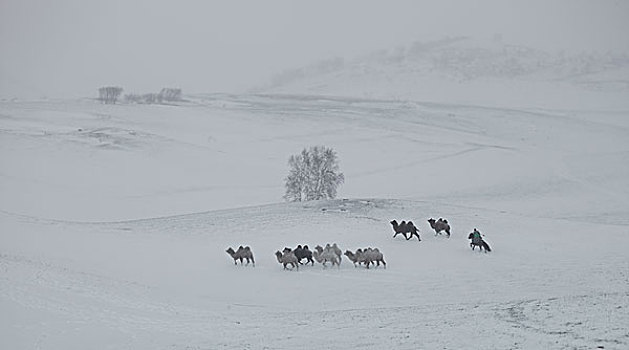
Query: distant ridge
x=458 y=67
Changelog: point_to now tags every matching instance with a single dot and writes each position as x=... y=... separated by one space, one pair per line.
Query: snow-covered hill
x=470 y=71
x=114 y=220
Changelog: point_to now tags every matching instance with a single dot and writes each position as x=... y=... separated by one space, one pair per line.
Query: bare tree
x=109 y=94
x=313 y=174
x=170 y=94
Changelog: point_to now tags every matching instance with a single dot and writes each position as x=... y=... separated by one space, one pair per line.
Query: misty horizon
x=69 y=49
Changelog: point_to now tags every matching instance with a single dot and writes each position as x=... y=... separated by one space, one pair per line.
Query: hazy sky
x=71 y=47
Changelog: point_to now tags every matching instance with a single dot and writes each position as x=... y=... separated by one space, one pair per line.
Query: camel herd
x=293 y=257
x=332 y=254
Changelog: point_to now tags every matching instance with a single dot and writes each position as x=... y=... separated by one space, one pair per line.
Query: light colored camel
x=288 y=258
x=367 y=257
x=324 y=256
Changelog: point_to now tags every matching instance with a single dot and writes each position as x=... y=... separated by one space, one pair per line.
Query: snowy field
x=114 y=220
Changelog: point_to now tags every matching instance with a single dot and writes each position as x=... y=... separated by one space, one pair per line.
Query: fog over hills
x=471 y=71
x=115 y=218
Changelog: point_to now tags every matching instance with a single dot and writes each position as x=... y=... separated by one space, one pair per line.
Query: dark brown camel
x=404 y=228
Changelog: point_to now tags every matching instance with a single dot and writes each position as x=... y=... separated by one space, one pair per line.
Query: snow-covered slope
x=470 y=71
x=114 y=222
x=166 y=282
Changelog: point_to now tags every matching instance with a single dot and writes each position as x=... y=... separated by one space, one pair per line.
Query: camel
x=337 y=250
x=326 y=255
x=354 y=258
x=303 y=253
x=243 y=253
x=334 y=248
x=413 y=230
x=399 y=228
x=330 y=249
x=440 y=225
x=373 y=256
x=404 y=228
x=288 y=258
x=368 y=256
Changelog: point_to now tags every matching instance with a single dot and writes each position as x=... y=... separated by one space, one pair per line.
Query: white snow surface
x=114 y=220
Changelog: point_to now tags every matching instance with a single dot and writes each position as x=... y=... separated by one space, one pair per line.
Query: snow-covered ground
x=114 y=222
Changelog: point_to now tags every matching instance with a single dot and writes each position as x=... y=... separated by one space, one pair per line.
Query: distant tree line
x=110 y=95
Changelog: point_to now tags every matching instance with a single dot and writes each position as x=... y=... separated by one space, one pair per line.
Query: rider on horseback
x=476 y=237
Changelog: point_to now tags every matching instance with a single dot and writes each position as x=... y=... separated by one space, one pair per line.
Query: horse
x=241 y=254
x=439 y=225
x=478 y=242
